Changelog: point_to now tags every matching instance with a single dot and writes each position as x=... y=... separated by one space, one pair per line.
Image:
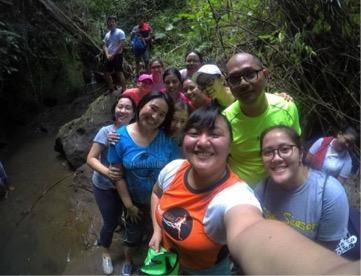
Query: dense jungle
x=50 y=74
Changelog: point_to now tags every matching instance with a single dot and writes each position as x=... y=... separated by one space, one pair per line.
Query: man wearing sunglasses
x=253 y=111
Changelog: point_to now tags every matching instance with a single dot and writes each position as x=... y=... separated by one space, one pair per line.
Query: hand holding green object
x=160 y=263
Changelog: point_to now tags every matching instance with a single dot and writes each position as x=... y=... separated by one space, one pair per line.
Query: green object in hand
x=160 y=263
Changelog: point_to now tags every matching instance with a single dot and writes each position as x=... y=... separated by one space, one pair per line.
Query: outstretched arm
x=262 y=246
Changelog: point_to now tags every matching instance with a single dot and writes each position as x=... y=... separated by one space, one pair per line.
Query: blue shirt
x=141 y=165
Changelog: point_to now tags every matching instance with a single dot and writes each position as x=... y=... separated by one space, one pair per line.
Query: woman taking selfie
x=199 y=207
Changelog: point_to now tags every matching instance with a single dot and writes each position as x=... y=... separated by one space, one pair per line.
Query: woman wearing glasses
x=157 y=70
x=311 y=202
x=199 y=206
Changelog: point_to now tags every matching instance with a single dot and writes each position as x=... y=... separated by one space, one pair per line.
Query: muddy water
x=39 y=234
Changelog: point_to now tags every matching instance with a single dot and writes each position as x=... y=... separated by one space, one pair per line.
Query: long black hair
x=172 y=71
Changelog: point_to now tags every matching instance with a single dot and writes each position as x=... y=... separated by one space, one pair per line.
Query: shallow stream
x=38 y=233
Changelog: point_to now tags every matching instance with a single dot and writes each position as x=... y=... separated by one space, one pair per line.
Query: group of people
x=201 y=159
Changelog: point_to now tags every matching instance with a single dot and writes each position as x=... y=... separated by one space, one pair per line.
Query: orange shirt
x=189 y=225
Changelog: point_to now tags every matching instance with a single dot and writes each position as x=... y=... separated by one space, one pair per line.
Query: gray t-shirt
x=99 y=180
x=113 y=38
x=303 y=208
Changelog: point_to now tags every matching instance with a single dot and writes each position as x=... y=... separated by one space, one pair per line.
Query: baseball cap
x=210 y=69
x=144 y=77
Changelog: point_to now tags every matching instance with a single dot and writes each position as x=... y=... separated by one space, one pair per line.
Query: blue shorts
x=145 y=56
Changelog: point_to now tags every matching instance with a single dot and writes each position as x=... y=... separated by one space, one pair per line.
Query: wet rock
x=82 y=178
x=74 y=138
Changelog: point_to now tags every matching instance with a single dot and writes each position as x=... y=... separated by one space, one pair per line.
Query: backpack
x=138 y=45
x=349 y=247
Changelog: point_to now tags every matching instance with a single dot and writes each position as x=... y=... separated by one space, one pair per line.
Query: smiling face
x=153 y=114
x=193 y=62
x=156 y=69
x=210 y=85
x=179 y=120
x=191 y=90
x=281 y=158
x=207 y=149
x=172 y=84
x=124 y=111
x=145 y=86
x=247 y=92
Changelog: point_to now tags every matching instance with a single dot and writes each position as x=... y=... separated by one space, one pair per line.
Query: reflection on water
x=39 y=234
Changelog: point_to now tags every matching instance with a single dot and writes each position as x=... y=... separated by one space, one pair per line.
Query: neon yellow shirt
x=245 y=159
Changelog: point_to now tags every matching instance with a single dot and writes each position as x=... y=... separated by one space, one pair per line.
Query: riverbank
x=41 y=230
x=50 y=223
x=38 y=230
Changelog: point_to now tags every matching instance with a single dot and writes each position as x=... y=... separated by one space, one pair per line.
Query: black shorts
x=114 y=65
x=135 y=233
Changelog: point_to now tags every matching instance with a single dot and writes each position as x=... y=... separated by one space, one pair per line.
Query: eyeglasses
x=249 y=76
x=156 y=66
x=205 y=83
x=283 y=151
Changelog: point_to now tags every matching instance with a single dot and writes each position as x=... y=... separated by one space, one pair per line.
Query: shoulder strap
x=265 y=186
x=322 y=197
x=320 y=154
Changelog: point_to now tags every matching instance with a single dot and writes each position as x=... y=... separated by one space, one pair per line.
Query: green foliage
x=38 y=60
x=311 y=47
